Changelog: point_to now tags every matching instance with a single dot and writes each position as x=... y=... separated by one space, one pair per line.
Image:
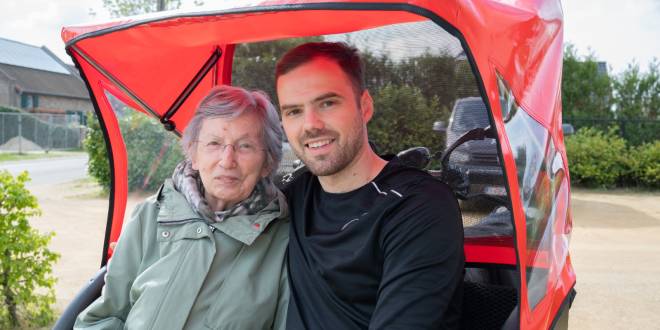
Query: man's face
x=321 y=116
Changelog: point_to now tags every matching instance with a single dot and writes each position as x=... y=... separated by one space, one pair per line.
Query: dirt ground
x=615 y=249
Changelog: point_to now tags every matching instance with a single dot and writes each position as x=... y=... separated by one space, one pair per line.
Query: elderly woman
x=207 y=251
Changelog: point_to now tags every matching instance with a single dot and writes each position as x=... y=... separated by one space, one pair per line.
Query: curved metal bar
x=115 y=81
x=210 y=64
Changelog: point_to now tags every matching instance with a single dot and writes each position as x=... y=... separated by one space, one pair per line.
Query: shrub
x=597 y=158
x=98 y=165
x=645 y=165
x=403 y=118
x=4 y=108
x=152 y=152
x=26 y=284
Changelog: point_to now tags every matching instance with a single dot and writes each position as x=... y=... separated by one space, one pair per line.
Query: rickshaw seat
x=488 y=306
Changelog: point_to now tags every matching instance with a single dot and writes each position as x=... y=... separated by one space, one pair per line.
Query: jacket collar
x=174 y=208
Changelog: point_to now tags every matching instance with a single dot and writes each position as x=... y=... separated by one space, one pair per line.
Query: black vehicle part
x=560 y=321
x=496 y=223
x=417 y=157
x=455 y=179
x=84 y=298
x=487 y=306
x=478 y=133
x=513 y=322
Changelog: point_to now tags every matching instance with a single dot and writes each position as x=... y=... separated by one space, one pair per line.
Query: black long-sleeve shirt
x=388 y=255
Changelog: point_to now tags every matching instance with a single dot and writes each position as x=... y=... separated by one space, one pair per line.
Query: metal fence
x=26 y=132
x=634 y=131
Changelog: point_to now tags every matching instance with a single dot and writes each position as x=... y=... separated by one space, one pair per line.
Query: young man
x=373 y=244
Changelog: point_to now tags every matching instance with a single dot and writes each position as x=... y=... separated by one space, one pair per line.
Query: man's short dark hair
x=345 y=56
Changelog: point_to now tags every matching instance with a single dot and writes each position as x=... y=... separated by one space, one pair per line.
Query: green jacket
x=171 y=269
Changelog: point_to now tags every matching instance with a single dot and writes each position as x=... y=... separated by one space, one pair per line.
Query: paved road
x=50 y=170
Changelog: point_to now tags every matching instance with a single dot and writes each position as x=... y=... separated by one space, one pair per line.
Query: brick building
x=34 y=79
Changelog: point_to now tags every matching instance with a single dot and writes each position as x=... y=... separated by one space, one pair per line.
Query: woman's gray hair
x=231 y=102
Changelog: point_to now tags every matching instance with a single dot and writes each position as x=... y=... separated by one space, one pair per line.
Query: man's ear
x=367 y=106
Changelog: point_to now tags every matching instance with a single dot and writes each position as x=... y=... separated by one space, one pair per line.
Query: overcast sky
x=614 y=31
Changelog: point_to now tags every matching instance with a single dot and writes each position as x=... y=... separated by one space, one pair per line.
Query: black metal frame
x=208 y=65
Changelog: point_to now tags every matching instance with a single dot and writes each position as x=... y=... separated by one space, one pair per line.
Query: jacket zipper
x=178 y=222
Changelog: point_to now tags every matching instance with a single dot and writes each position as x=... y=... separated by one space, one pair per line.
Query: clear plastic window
x=543 y=190
x=425 y=95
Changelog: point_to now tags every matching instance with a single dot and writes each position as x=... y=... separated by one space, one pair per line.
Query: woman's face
x=230 y=158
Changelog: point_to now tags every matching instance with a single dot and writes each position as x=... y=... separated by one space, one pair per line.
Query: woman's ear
x=267 y=168
x=193 y=158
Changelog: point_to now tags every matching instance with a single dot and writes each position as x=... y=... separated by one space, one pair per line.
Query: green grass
x=13 y=156
x=86 y=188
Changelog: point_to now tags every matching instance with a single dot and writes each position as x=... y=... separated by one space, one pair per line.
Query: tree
x=637 y=95
x=26 y=263
x=586 y=92
x=254 y=63
x=403 y=118
x=440 y=76
x=120 y=8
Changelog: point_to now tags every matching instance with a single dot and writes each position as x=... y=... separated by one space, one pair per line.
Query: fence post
x=49 y=141
x=20 y=133
x=35 y=129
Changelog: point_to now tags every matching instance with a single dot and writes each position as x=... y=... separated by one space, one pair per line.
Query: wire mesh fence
x=25 y=132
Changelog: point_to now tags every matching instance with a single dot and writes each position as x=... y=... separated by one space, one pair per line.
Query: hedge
x=603 y=159
x=645 y=165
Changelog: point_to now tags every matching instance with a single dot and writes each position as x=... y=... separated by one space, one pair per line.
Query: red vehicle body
x=163 y=64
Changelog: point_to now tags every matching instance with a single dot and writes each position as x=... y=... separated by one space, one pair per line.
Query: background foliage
x=592 y=97
x=119 y=8
x=586 y=92
x=602 y=168
x=98 y=165
x=152 y=152
x=26 y=263
x=411 y=94
x=644 y=163
x=603 y=159
x=391 y=126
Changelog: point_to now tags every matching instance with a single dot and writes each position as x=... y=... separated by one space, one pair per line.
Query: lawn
x=13 y=156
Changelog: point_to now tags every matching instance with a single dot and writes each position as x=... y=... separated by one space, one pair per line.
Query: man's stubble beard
x=334 y=163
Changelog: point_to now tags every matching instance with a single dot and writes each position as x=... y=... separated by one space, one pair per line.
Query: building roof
x=37 y=70
x=28 y=56
x=46 y=82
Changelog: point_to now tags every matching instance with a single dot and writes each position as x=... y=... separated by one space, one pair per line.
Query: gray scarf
x=187 y=181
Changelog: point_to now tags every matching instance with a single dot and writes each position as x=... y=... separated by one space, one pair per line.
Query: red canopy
x=162 y=64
